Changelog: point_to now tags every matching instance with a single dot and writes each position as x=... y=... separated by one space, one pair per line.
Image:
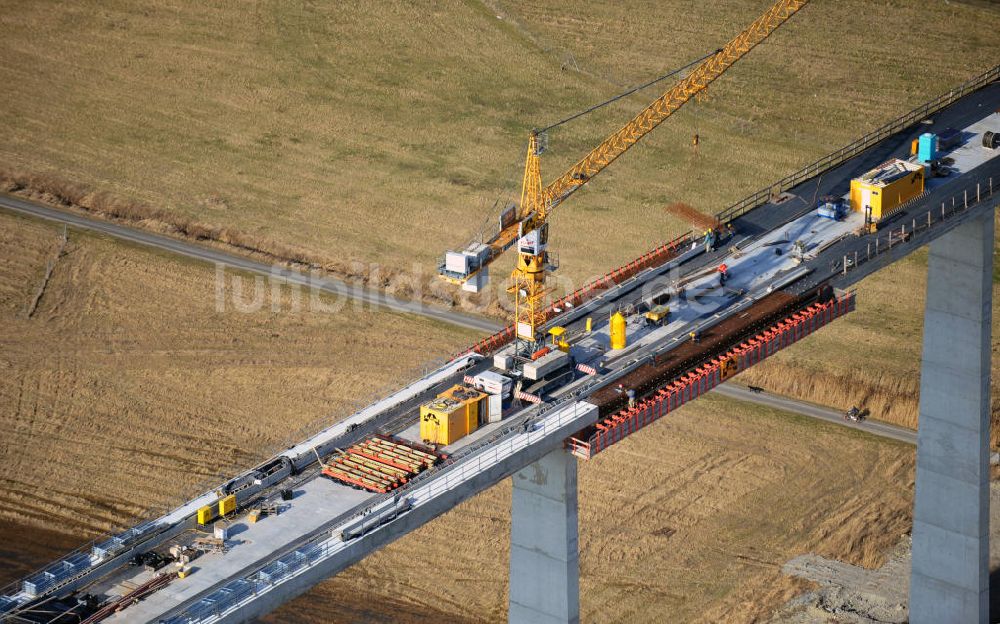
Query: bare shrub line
x=52 y=189
x=891 y=398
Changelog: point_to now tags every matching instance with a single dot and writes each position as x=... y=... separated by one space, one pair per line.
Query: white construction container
x=493 y=383
x=531 y=243
x=496 y=408
x=477 y=253
x=456 y=262
x=546 y=364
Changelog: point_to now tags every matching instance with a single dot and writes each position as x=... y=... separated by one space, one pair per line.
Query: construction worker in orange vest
x=723 y=274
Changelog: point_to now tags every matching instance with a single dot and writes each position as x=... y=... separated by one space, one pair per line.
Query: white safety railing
x=77 y=564
x=902 y=230
x=829 y=161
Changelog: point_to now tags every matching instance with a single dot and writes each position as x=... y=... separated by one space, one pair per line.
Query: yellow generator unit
x=658 y=315
x=881 y=191
x=227 y=505
x=454 y=414
x=205 y=514
x=618 y=339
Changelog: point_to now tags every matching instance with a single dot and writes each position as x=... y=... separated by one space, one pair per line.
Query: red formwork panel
x=690 y=385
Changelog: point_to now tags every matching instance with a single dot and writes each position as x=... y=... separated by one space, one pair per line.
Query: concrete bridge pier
x=544 y=563
x=950 y=569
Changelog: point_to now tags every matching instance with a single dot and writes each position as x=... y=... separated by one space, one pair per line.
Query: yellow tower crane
x=527 y=223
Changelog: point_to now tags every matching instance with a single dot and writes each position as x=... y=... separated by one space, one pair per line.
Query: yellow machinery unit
x=618 y=339
x=881 y=191
x=559 y=338
x=658 y=314
x=454 y=414
x=205 y=514
x=227 y=505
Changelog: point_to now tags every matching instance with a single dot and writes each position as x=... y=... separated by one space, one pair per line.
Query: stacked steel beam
x=380 y=464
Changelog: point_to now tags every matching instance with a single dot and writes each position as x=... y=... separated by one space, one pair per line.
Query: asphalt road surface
x=372 y=297
x=874 y=427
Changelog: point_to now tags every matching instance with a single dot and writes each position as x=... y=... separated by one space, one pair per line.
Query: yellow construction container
x=618 y=339
x=205 y=514
x=454 y=414
x=881 y=191
x=227 y=505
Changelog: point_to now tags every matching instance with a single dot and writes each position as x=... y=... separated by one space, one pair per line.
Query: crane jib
x=528 y=278
x=671 y=101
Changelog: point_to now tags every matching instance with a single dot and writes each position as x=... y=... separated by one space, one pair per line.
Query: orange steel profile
x=131 y=597
x=703 y=378
x=380 y=464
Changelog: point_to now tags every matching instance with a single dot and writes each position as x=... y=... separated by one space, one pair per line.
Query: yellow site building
x=454 y=414
x=885 y=188
x=205 y=514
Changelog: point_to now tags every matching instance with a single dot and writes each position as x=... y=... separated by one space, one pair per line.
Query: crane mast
x=529 y=227
x=527 y=280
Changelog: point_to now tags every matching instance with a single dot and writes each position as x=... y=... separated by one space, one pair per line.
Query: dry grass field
x=871 y=358
x=360 y=134
x=355 y=135
x=689 y=521
x=383 y=132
